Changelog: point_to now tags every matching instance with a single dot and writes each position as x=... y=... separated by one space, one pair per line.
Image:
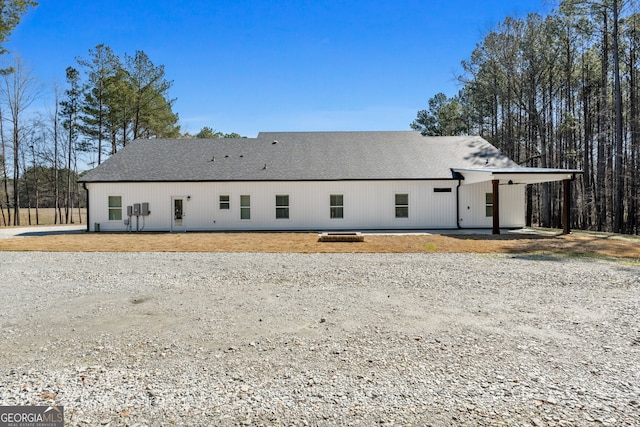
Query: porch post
x=566 y=206
x=496 y=207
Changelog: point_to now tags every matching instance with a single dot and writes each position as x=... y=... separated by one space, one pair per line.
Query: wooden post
x=496 y=206
x=566 y=206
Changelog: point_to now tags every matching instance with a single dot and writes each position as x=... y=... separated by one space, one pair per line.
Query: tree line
x=558 y=91
x=107 y=102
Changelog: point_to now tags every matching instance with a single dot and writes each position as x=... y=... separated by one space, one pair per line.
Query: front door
x=178 y=222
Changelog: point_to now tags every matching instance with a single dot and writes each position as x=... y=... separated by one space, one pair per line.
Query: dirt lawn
x=578 y=243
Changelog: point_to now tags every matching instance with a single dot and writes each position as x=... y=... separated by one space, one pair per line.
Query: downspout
x=459 y=177
x=84 y=185
x=457 y=203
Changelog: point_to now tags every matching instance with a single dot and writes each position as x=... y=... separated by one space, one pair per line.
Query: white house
x=319 y=181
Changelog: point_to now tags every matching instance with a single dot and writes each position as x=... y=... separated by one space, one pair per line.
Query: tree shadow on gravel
x=578 y=245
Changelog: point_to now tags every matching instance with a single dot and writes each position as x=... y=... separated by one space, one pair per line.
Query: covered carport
x=521 y=175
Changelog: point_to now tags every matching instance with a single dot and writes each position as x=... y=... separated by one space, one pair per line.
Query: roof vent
x=265 y=166
x=213 y=158
x=241 y=155
x=274 y=142
x=226 y=156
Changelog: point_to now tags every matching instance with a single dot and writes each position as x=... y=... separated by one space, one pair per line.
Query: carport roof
x=515 y=175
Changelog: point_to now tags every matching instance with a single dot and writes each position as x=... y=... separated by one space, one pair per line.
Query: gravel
x=321 y=339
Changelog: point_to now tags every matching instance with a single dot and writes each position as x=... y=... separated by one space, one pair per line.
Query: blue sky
x=250 y=66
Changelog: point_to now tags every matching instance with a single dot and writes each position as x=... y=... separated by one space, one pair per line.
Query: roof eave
x=516 y=175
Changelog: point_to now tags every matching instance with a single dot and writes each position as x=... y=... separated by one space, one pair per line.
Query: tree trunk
x=618 y=177
x=36 y=185
x=5 y=177
x=601 y=213
x=68 y=207
x=27 y=188
x=16 y=172
x=57 y=213
x=633 y=126
x=586 y=145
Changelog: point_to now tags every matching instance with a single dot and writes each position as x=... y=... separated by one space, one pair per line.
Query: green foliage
x=100 y=68
x=118 y=111
x=70 y=106
x=444 y=117
x=124 y=100
x=151 y=107
x=209 y=133
x=11 y=12
x=45 y=179
x=559 y=91
x=233 y=135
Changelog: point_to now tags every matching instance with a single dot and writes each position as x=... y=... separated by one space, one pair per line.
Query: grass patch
x=46 y=216
x=591 y=247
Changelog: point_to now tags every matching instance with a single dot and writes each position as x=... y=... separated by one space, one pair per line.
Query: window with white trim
x=282 y=206
x=224 y=202
x=115 y=208
x=402 y=206
x=336 y=206
x=245 y=207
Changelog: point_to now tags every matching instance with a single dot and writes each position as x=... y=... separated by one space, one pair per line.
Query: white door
x=178 y=221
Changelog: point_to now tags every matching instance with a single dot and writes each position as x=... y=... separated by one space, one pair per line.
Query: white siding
x=472 y=206
x=367 y=205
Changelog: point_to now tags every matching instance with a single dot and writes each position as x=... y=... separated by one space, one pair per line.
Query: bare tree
x=18 y=91
x=56 y=170
x=5 y=176
x=70 y=109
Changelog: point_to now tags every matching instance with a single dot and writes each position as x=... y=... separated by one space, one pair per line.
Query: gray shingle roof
x=299 y=156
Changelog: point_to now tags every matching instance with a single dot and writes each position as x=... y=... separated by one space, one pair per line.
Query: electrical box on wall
x=138 y=210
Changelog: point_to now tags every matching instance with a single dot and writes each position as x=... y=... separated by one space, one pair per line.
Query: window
x=224 y=202
x=442 y=190
x=488 y=200
x=402 y=206
x=336 y=206
x=282 y=207
x=115 y=208
x=245 y=207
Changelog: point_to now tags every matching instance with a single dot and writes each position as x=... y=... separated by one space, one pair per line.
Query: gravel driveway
x=321 y=339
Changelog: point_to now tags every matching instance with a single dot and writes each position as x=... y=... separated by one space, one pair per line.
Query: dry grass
x=45 y=216
x=577 y=244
